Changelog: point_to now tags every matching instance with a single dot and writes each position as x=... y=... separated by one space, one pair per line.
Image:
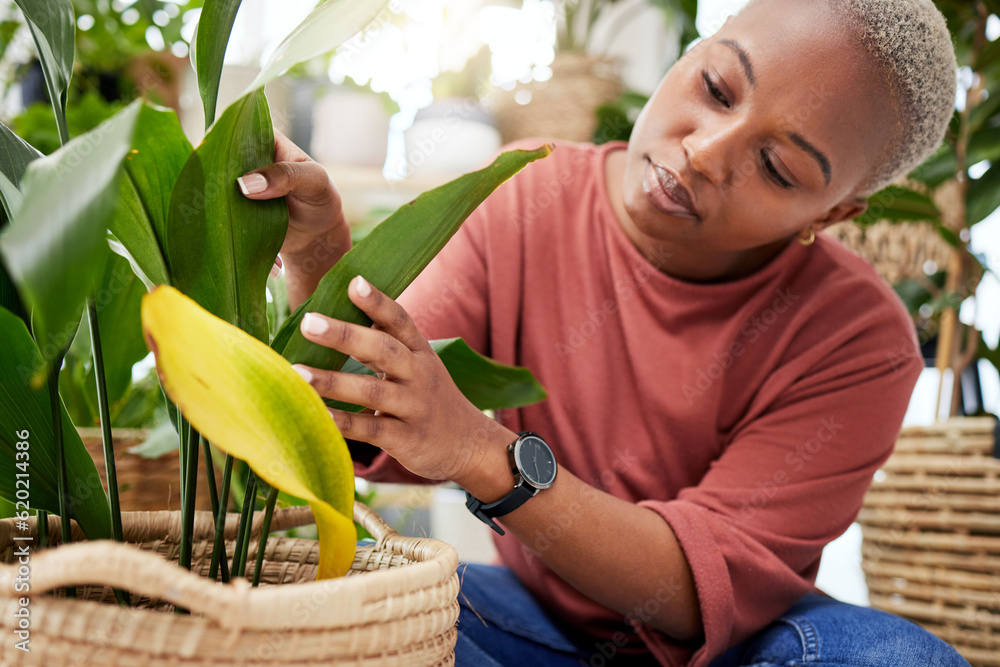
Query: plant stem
x=190 y=475
x=219 y=548
x=62 y=483
x=950 y=323
x=42 y=528
x=272 y=498
x=246 y=523
x=107 y=438
x=213 y=491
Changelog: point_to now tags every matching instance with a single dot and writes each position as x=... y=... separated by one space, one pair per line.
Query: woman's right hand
x=318 y=234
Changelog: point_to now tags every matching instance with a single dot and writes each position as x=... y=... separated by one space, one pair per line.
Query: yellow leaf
x=246 y=399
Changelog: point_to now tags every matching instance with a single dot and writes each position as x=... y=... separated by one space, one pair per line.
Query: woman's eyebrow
x=744 y=60
x=824 y=162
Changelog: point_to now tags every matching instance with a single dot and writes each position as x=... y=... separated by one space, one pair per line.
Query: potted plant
x=931 y=520
x=583 y=79
x=135 y=187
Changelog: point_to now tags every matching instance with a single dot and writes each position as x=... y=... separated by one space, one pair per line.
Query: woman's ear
x=845 y=210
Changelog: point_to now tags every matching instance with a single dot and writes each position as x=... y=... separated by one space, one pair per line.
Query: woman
x=720 y=394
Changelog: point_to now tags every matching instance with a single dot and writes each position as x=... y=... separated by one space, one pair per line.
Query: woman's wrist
x=488 y=477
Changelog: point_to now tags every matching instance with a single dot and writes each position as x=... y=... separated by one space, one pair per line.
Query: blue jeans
x=501 y=625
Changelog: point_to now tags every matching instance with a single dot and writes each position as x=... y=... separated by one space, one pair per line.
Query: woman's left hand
x=421 y=418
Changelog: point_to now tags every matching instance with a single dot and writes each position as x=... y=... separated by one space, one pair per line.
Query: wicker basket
x=403 y=615
x=145 y=484
x=898 y=251
x=931 y=525
x=564 y=107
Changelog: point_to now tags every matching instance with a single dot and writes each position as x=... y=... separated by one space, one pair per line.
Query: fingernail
x=278 y=262
x=304 y=372
x=314 y=324
x=364 y=289
x=275 y=270
x=251 y=184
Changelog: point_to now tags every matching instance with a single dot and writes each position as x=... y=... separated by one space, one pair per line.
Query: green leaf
x=220 y=246
x=983 y=196
x=159 y=152
x=327 y=27
x=392 y=255
x=898 y=204
x=488 y=384
x=52 y=26
x=248 y=401
x=55 y=247
x=23 y=408
x=208 y=50
x=162 y=440
x=15 y=156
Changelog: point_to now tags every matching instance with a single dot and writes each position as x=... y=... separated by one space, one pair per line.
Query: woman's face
x=766 y=127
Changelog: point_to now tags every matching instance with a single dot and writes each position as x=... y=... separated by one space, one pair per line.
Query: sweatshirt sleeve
x=789 y=481
x=447 y=300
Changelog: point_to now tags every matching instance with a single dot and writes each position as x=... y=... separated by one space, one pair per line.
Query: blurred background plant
x=123 y=49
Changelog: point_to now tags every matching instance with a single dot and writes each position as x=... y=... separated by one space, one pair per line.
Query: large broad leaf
x=52 y=26
x=15 y=156
x=898 y=204
x=326 y=28
x=55 y=247
x=488 y=384
x=220 y=246
x=395 y=252
x=247 y=400
x=26 y=409
x=159 y=152
x=208 y=50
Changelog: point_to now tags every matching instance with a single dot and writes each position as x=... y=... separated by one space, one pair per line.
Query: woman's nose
x=710 y=151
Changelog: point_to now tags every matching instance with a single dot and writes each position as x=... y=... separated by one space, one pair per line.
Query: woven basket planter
x=931 y=525
x=396 y=607
x=565 y=106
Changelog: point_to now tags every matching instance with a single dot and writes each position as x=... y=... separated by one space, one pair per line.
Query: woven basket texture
x=897 y=251
x=564 y=107
x=145 y=484
x=931 y=525
x=396 y=607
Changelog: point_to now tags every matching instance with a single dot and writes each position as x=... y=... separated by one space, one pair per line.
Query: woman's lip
x=667 y=192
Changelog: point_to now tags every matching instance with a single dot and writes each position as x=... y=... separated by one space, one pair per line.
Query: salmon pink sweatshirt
x=750 y=415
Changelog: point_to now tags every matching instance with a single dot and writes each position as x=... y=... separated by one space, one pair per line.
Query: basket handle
x=374 y=524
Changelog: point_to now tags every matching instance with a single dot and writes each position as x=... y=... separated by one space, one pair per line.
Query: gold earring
x=808 y=241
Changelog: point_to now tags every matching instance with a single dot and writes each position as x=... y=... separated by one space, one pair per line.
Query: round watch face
x=535 y=461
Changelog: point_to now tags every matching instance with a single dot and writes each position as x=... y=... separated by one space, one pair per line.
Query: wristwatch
x=534 y=468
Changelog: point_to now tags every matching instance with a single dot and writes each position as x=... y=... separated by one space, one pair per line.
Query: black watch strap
x=510 y=502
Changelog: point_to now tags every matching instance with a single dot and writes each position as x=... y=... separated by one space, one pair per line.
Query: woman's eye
x=769 y=168
x=714 y=90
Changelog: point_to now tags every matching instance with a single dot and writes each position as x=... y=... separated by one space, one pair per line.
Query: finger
x=386 y=313
x=376 y=349
x=380 y=431
x=306 y=181
x=361 y=390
